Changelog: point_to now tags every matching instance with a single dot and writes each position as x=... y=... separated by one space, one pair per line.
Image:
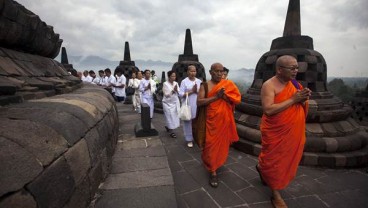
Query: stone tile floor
x=240 y=185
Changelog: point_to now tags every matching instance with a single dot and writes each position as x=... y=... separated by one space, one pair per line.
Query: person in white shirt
x=137 y=94
x=190 y=87
x=131 y=84
x=109 y=82
x=171 y=103
x=147 y=87
x=94 y=78
x=120 y=86
x=85 y=76
x=101 y=82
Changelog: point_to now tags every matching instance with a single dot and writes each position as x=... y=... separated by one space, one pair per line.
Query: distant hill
x=81 y=63
x=243 y=75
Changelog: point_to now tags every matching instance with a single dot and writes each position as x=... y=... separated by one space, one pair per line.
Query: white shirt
x=120 y=92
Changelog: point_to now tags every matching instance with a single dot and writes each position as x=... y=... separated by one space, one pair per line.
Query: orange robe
x=220 y=126
x=283 y=139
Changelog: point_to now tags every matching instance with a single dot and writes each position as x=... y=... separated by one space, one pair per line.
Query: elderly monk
x=221 y=99
x=285 y=106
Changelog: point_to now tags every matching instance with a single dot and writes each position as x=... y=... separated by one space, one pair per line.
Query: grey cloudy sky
x=234 y=32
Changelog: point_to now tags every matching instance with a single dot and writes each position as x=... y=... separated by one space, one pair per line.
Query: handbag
x=129 y=91
x=199 y=122
x=185 y=112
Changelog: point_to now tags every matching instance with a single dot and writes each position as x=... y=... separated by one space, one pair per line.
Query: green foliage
x=339 y=89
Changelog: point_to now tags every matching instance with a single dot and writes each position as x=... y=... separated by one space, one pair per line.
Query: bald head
x=217 y=66
x=216 y=71
x=284 y=60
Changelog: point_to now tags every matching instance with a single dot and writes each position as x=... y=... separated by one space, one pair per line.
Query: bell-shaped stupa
x=334 y=139
x=186 y=59
x=127 y=65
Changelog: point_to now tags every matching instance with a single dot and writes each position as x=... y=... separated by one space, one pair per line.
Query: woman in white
x=190 y=87
x=131 y=84
x=171 y=104
x=147 y=87
x=137 y=94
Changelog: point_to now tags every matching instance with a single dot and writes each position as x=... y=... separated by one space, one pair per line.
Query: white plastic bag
x=185 y=113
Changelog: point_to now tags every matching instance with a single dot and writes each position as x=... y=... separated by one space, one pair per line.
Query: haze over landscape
x=235 y=33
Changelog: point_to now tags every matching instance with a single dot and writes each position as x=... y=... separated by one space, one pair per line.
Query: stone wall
x=55 y=151
x=57 y=135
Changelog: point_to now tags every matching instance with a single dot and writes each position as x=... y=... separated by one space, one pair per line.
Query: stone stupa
x=64 y=60
x=334 y=139
x=127 y=65
x=186 y=59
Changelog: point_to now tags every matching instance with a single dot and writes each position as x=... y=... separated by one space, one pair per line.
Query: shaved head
x=216 y=65
x=282 y=60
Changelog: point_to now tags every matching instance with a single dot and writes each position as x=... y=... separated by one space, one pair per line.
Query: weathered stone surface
x=162 y=197
x=78 y=160
x=41 y=141
x=95 y=144
x=159 y=177
x=66 y=124
x=122 y=165
x=18 y=166
x=81 y=196
x=54 y=186
x=19 y=199
x=77 y=111
x=18 y=36
x=95 y=177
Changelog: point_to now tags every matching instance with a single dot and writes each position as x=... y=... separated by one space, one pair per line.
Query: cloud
x=236 y=33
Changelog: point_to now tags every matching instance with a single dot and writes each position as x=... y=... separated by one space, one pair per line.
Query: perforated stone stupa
x=127 y=65
x=334 y=139
x=186 y=59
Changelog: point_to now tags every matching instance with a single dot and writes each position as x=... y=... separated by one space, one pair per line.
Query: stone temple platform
x=162 y=172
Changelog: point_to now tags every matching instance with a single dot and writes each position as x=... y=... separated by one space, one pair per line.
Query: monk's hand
x=194 y=89
x=176 y=88
x=302 y=95
x=220 y=93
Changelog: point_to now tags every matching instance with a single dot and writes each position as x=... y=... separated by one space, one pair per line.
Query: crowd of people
x=284 y=104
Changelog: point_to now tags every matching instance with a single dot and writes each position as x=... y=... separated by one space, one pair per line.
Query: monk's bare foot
x=278 y=202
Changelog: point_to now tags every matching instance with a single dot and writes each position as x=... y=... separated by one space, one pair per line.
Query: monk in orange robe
x=221 y=99
x=285 y=104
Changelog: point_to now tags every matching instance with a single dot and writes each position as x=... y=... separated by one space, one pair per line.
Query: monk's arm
x=201 y=100
x=268 y=96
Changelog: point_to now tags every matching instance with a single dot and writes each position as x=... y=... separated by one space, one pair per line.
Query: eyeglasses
x=291 y=68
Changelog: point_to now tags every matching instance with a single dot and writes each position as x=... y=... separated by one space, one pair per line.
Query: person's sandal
x=167 y=129
x=173 y=135
x=213 y=181
x=260 y=176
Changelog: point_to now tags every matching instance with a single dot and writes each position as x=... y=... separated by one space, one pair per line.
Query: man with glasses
x=285 y=108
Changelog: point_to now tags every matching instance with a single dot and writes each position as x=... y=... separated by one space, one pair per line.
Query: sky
x=235 y=33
